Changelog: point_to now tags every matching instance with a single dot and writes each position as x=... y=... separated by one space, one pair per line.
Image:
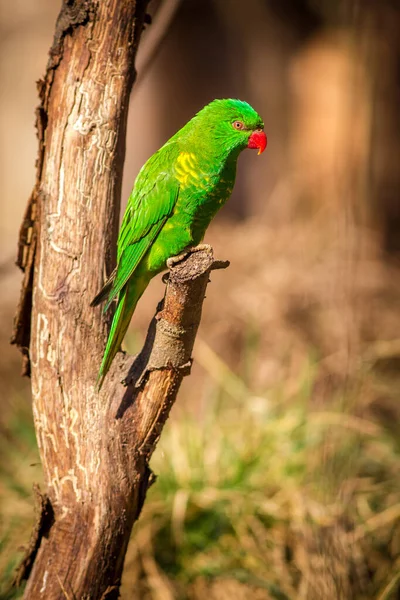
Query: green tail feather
x=128 y=299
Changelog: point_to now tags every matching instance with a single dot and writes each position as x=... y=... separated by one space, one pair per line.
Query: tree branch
x=132 y=426
x=95 y=448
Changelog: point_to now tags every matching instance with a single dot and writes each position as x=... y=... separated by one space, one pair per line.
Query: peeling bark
x=44 y=520
x=72 y=15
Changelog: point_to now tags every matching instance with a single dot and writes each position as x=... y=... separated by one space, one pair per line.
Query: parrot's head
x=233 y=125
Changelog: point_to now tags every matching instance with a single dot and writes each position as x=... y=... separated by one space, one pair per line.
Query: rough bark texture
x=94 y=447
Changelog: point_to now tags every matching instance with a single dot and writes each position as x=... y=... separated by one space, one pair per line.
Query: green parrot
x=176 y=194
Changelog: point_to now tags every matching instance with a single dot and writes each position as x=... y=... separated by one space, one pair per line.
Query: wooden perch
x=94 y=447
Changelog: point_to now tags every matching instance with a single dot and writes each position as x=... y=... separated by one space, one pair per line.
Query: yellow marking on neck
x=185 y=168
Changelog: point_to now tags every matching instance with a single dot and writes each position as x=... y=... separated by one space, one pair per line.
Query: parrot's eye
x=238 y=125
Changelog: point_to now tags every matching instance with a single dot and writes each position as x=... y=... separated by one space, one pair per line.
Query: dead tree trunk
x=94 y=447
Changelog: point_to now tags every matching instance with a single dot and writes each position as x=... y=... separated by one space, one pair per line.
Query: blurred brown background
x=313 y=227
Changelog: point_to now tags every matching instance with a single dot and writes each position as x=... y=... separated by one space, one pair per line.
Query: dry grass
x=284 y=480
x=278 y=474
x=271 y=496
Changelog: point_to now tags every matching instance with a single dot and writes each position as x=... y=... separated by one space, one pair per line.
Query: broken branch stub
x=154 y=377
x=175 y=326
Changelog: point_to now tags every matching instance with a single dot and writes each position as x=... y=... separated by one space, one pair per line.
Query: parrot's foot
x=201 y=247
x=174 y=260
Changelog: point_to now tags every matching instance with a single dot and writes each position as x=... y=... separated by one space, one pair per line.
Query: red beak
x=258 y=139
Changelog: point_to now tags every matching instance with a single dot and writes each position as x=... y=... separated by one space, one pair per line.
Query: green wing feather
x=131 y=258
x=150 y=204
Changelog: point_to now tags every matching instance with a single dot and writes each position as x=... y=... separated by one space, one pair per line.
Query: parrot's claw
x=174 y=260
x=201 y=247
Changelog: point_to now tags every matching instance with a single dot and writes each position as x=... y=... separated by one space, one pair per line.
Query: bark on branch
x=82 y=550
x=94 y=447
